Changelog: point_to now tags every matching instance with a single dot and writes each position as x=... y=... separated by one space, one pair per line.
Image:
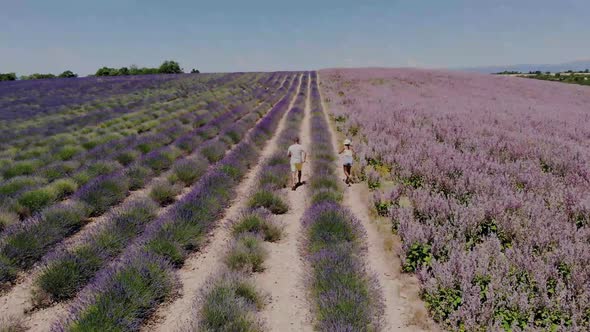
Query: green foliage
x=35 y=200
x=61 y=280
x=229 y=304
x=68 y=74
x=570 y=77
x=164 y=192
x=550 y=319
x=24 y=248
x=25 y=167
x=37 y=76
x=167 y=248
x=418 y=255
x=330 y=228
x=138 y=176
x=510 y=318
x=257 y=224
x=7 y=77
x=68 y=151
x=443 y=302
x=161 y=160
x=326 y=195
x=7 y=219
x=167 y=67
x=127 y=157
x=415 y=181
x=63 y=187
x=269 y=200
x=190 y=170
x=104 y=194
x=247 y=254
x=382 y=207
x=232 y=171
x=19 y=183
x=170 y=67
x=136 y=291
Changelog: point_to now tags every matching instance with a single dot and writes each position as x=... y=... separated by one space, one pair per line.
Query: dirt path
x=288 y=309
x=199 y=267
x=404 y=311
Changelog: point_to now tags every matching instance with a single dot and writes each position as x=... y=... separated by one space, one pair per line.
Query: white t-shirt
x=296 y=151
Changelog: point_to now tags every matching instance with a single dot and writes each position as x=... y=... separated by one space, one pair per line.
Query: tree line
x=167 y=67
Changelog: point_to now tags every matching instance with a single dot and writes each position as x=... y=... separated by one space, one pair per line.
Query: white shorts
x=296 y=167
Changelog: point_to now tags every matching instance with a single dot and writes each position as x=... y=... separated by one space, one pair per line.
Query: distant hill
x=525 y=68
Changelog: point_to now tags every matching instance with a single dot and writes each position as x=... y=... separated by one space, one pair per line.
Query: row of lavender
x=230 y=300
x=70 y=165
x=25 y=243
x=275 y=171
x=124 y=294
x=344 y=296
x=492 y=201
x=67 y=270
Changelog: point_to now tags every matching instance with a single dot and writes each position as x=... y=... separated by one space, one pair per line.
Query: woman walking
x=347 y=153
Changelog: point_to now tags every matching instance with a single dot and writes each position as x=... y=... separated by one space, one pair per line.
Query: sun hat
x=347 y=142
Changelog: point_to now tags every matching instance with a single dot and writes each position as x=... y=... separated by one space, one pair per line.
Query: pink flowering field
x=486 y=179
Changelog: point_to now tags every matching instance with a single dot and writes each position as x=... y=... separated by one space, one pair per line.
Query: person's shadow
x=299 y=184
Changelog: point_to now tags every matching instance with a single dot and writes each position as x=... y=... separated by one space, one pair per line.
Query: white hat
x=347 y=142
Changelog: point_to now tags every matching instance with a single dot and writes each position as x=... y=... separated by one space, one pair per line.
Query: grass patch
x=26 y=246
x=104 y=192
x=230 y=303
x=190 y=170
x=214 y=151
x=269 y=200
x=6 y=219
x=164 y=192
x=25 y=167
x=260 y=224
x=127 y=157
x=63 y=187
x=161 y=160
x=64 y=277
x=247 y=254
x=131 y=296
x=138 y=176
x=34 y=201
x=19 y=183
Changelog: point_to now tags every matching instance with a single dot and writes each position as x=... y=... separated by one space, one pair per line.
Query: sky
x=267 y=35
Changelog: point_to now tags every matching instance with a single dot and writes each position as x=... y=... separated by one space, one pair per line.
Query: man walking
x=298 y=157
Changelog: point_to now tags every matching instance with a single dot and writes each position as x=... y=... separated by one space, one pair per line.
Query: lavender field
x=110 y=183
x=486 y=181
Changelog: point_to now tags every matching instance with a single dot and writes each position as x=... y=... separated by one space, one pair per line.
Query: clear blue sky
x=245 y=35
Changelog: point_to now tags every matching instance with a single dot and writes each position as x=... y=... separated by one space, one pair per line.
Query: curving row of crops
x=486 y=181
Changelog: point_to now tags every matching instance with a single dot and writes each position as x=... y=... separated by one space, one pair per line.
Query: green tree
x=68 y=74
x=195 y=71
x=106 y=71
x=37 y=76
x=124 y=71
x=170 y=67
x=7 y=77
